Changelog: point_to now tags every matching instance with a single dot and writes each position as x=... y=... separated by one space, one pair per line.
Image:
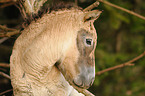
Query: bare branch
x=136 y=58
x=129 y=63
x=113 y=68
x=7 y=32
x=1 y=94
x=3 y=39
x=11 y=21
x=92 y=6
x=7 y=4
x=6 y=29
x=6 y=1
x=5 y=75
x=87 y=93
x=115 y=6
x=4 y=65
x=123 y=9
x=84 y=91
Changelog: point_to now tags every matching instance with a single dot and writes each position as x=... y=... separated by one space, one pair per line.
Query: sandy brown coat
x=42 y=44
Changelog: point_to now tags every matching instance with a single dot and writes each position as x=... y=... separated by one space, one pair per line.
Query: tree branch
x=7 y=32
x=129 y=63
x=6 y=29
x=7 y=4
x=5 y=75
x=84 y=91
x=6 y=1
x=3 y=39
x=115 y=6
x=136 y=58
x=123 y=9
x=113 y=68
x=1 y=94
x=87 y=93
x=4 y=65
x=96 y=4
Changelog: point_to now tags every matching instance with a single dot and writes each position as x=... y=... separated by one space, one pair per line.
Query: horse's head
x=78 y=64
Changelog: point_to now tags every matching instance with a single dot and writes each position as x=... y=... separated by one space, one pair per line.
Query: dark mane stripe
x=46 y=9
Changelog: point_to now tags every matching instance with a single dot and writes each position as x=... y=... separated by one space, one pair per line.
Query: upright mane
x=47 y=9
x=55 y=53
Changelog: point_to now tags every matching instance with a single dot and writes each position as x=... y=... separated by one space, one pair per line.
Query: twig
x=7 y=4
x=4 y=65
x=87 y=93
x=11 y=21
x=136 y=58
x=84 y=91
x=3 y=69
x=6 y=92
x=3 y=39
x=6 y=29
x=112 y=68
x=92 y=6
x=5 y=1
x=6 y=32
x=113 y=5
x=123 y=9
x=5 y=75
x=129 y=63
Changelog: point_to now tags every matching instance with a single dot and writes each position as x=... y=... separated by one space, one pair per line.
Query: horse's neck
x=52 y=84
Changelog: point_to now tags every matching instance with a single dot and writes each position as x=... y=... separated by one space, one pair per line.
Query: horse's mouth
x=83 y=84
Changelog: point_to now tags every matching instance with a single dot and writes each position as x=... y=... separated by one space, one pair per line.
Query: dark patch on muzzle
x=86 y=78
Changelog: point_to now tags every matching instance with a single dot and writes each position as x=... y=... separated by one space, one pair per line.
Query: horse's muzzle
x=86 y=78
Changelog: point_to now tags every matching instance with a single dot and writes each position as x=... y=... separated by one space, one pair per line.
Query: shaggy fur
x=36 y=51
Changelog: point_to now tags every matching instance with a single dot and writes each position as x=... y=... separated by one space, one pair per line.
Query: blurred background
x=121 y=37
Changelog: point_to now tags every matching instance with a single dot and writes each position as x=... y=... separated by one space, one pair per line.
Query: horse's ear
x=91 y=15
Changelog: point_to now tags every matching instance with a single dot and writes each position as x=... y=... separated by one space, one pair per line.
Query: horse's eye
x=89 y=41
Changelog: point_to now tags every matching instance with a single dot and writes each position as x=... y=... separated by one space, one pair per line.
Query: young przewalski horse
x=55 y=53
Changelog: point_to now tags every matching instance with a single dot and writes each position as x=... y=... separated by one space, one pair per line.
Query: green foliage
x=116 y=18
x=126 y=81
x=114 y=27
x=137 y=25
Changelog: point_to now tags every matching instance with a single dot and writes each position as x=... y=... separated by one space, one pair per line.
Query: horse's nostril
x=78 y=82
x=82 y=82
